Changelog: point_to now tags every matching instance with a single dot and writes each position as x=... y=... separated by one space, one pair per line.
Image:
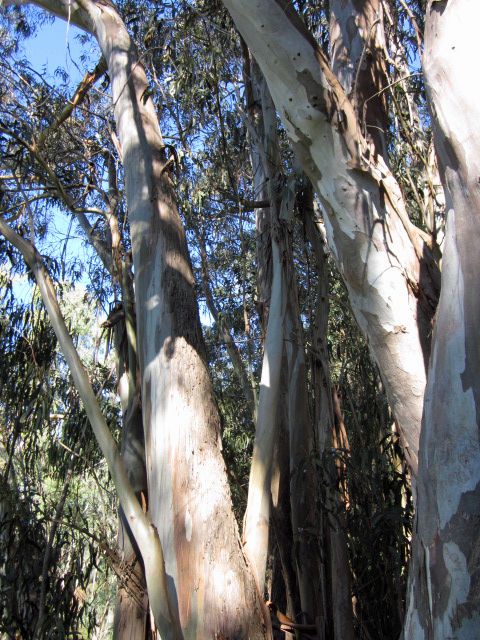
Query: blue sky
x=55 y=45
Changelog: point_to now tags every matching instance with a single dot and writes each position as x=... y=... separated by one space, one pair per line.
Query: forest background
x=304 y=216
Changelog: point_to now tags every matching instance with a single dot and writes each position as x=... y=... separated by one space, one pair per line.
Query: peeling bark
x=209 y=584
x=392 y=279
x=445 y=583
x=358 y=60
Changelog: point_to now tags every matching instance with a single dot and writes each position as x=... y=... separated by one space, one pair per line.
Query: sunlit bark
x=145 y=534
x=391 y=276
x=445 y=583
x=259 y=496
x=208 y=582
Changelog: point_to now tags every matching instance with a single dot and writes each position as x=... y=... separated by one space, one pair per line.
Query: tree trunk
x=357 y=56
x=257 y=515
x=131 y=607
x=208 y=580
x=391 y=277
x=445 y=583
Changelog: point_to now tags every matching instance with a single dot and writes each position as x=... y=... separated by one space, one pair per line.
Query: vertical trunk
x=131 y=605
x=271 y=285
x=445 y=583
x=336 y=565
x=273 y=223
x=207 y=578
x=304 y=483
x=287 y=592
x=259 y=494
x=265 y=161
x=187 y=485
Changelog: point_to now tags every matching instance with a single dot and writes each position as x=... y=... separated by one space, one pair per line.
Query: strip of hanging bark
x=78 y=97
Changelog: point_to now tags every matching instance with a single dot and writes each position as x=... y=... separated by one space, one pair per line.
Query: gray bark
x=391 y=277
x=444 y=586
x=209 y=585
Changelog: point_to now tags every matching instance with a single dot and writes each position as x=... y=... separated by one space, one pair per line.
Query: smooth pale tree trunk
x=271 y=284
x=266 y=163
x=391 y=277
x=287 y=403
x=257 y=516
x=444 y=600
x=208 y=580
x=297 y=477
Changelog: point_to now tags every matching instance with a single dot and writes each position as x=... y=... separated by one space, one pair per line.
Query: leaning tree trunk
x=207 y=577
x=444 y=592
x=389 y=271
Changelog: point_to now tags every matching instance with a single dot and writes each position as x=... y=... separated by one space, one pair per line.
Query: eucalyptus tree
x=204 y=586
x=364 y=208
x=444 y=599
x=341 y=131
x=61 y=165
x=388 y=266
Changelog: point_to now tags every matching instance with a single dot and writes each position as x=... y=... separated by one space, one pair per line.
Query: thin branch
x=143 y=531
x=78 y=97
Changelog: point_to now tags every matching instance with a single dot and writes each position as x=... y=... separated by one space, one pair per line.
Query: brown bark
x=358 y=60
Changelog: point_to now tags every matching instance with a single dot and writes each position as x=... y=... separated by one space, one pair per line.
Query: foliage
x=193 y=58
x=43 y=441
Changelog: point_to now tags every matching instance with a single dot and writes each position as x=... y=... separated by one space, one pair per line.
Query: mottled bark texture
x=210 y=586
x=358 y=60
x=391 y=277
x=444 y=591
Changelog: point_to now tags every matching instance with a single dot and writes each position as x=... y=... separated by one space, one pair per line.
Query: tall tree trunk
x=273 y=223
x=257 y=515
x=207 y=578
x=392 y=279
x=444 y=588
